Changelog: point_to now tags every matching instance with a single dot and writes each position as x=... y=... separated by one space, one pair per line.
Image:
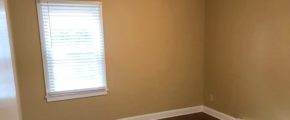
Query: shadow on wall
x=247 y=58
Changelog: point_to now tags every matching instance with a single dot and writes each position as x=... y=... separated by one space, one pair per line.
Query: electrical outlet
x=211 y=97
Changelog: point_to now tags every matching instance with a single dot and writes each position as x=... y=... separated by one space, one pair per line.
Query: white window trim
x=70 y=1
x=75 y=93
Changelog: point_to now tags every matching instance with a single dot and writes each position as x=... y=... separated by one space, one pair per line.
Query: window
x=72 y=48
x=7 y=87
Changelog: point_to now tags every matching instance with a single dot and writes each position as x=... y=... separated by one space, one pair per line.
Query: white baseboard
x=183 y=111
x=166 y=114
x=217 y=114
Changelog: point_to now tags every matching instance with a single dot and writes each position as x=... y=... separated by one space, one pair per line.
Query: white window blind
x=73 y=48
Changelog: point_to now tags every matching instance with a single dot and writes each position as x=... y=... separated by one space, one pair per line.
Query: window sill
x=76 y=95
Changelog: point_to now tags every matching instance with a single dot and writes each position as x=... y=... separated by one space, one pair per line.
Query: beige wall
x=154 y=53
x=248 y=58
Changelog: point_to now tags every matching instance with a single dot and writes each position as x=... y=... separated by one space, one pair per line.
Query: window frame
x=68 y=94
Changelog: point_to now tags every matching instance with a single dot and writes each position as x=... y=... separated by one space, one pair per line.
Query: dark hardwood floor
x=196 y=116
